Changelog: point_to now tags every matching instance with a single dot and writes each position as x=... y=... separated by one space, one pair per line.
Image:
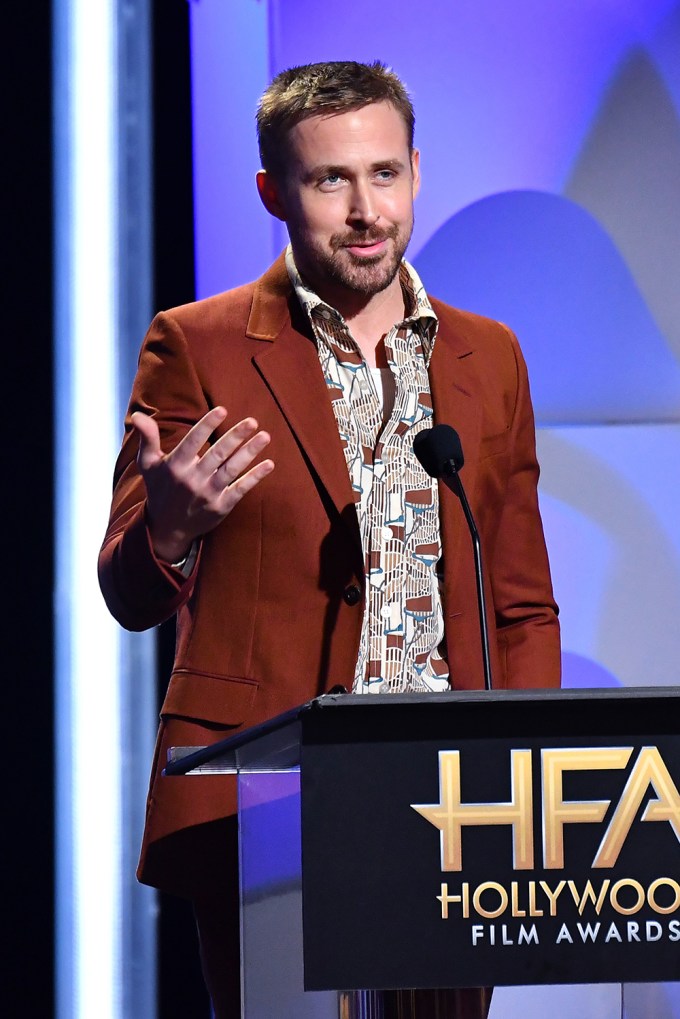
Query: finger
x=226 y=446
x=239 y=461
x=188 y=448
x=149 y=440
x=235 y=492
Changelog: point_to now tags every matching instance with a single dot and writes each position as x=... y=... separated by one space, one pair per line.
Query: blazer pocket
x=206 y=697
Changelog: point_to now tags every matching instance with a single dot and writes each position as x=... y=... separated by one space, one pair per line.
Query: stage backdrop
x=550 y=148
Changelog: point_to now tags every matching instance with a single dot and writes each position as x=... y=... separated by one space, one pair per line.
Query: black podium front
x=463 y=839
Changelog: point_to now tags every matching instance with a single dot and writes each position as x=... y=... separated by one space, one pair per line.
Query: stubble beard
x=368 y=275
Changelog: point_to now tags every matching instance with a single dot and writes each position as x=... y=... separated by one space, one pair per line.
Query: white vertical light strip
x=87 y=646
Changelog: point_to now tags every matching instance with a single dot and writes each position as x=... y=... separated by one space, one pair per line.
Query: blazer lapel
x=291 y=369
x=290 y=366
x=456 y=401
x=455 y=398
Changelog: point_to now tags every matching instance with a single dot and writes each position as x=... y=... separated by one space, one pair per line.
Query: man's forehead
x=375 y=125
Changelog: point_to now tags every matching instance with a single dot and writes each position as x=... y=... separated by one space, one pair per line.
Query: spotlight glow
x=88 y=711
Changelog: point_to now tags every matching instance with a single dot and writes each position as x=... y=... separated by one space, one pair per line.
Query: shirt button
x=326 y=314
x=351 y=594
x=387 y=534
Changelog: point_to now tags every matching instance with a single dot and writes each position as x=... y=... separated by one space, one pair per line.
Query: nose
x=362 y=207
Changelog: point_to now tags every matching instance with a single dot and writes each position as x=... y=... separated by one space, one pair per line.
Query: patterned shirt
x=401 y=648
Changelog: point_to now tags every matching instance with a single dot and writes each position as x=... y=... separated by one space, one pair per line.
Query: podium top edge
x=283 y=730
x=334 y=700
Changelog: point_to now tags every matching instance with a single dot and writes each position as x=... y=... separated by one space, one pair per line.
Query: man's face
x=347 y=199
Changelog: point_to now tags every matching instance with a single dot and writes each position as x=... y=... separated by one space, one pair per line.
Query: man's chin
x=367 y=276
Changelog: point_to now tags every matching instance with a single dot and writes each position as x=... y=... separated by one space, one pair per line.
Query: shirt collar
x=420 y=315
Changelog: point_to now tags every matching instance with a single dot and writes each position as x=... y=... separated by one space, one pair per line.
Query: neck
x=371 y=324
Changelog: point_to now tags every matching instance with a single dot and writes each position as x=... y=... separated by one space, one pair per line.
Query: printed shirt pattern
x=401 y=647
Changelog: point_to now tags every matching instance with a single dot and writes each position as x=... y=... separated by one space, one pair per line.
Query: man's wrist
x=186 y=564
x=174 y=553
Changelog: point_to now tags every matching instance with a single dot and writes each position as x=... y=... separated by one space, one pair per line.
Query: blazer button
x=352 y=594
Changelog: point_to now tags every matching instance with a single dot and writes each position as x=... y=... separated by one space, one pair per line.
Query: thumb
x=149 y=440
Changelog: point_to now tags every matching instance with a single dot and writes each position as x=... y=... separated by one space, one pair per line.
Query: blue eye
x=330 y=181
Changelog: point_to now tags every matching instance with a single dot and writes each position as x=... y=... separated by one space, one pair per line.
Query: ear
x=415 y=171
x=270 y=193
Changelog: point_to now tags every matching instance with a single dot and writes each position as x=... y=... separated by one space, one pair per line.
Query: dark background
x=28 y=484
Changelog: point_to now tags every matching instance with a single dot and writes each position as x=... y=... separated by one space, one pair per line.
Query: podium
x=512 y=839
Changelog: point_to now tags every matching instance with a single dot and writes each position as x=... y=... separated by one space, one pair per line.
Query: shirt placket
x=393 y=641
x=385 y=558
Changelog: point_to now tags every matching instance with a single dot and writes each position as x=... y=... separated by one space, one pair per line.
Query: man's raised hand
x=189 y=494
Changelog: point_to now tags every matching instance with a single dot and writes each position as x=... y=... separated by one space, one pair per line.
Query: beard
x=367 y=275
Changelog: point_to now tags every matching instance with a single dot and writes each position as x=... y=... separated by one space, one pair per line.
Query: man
x=267 y=491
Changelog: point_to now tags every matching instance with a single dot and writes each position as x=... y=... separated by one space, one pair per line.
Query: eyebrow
x=327 y=169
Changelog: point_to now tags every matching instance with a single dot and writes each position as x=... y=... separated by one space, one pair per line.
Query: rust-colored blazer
x=266 y=620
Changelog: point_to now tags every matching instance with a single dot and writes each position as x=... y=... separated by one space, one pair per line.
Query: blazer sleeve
x=525 y=610
x=141 y=590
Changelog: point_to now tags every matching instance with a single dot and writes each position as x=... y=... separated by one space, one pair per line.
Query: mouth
x=365 y=245
x=366 y=249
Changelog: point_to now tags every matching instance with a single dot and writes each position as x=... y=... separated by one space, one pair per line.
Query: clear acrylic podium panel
x=271 y=933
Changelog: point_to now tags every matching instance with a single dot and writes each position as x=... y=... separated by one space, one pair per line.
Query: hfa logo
x=450 y=815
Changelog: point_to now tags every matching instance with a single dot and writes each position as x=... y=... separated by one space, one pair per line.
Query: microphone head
x=438 y=447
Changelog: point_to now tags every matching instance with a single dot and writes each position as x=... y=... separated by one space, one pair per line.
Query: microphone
x=440 y=454
x=439 y=450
